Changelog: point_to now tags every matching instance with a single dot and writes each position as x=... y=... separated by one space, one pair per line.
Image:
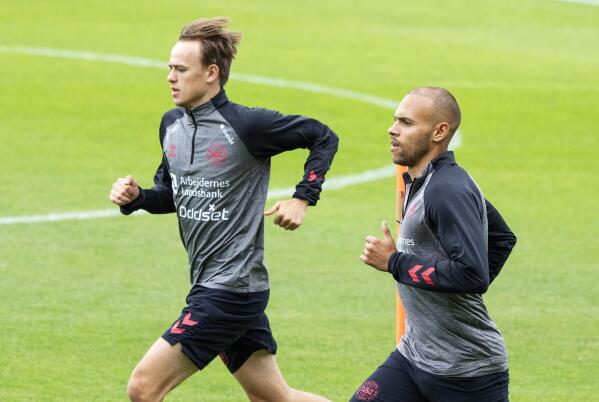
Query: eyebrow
x=395 y=117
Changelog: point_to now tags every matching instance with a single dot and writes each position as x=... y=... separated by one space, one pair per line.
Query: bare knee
x=141 y=389
x=162 y=368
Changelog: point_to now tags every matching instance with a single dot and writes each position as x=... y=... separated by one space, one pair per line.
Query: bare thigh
x=262 y=381
x=161 y=369
x=260 y=377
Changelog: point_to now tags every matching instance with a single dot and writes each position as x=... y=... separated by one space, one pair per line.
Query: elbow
x=484 y=281
x=474 y=277
x=479 y=284
x=478 y=288
x=326 y=141
x=481 y=288
x=334 y=140
x=331 y=137
x=512 y=241
x=335 y=137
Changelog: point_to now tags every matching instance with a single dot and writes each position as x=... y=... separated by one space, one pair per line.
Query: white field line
x=333 y=183
x=64 y=216
x=587 y=2
x=150 y=63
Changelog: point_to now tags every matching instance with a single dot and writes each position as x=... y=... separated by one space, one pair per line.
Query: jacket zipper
x=193 y=137
x=406 y=201
x=409 y=198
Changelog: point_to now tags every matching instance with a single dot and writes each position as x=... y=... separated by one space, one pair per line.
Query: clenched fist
x=124 y=191
x=288 y=214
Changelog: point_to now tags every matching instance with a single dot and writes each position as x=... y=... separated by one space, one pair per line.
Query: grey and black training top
x=450 y=248
x=214 y=174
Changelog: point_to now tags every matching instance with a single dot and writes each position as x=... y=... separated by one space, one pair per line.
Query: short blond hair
x=219 y=46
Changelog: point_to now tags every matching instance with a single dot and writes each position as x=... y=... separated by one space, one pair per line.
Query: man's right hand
x=378 y=251
x=124 y=191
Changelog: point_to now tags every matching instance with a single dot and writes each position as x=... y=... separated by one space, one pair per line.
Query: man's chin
x=181 y=104
x=399 y=161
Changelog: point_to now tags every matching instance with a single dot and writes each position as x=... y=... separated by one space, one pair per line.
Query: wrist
x=386 y=266
x=305 y=202
x=391 y=262
x=138 y=200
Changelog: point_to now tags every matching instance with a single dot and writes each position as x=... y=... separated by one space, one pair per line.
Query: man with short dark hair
x=452 y=244
x=214 y=174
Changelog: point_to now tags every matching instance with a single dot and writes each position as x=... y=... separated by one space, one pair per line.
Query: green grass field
x=81 y=301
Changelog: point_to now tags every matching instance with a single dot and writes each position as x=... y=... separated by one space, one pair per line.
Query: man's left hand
x=377 y=252
x=288 y=214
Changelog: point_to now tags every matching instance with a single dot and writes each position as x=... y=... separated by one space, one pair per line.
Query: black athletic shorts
x=398 y=380
x=218 y=322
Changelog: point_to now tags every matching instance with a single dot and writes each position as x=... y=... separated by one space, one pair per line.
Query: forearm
x=270 y=133
x=317 y=164
x=452 y=276
x=157 y=200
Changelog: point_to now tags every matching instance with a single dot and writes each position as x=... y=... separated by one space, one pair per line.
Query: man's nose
x=171 y=77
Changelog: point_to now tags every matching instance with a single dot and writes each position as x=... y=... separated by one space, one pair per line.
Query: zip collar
x=207 y=107
x=446 y=158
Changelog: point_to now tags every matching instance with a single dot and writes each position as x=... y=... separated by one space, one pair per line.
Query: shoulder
x=246 y=119
x=451 y=179
x=171 y=115
x=246 y=112
x=168 y=118
x=451 y=184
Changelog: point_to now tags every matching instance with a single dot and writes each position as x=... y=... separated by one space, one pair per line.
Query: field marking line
x=151 y=63
x=333 y=183
x=587 y=2
x=64 y=216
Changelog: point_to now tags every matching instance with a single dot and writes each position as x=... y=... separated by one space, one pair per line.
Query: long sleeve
x=454 y=214
x=158 y=199
x=501 y=241
x=272 y=133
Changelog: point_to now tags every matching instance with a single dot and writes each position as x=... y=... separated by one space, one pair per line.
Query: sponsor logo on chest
x=202 y=215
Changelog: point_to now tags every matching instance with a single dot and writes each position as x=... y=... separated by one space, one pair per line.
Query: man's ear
x=441 y=132
x=213 y=72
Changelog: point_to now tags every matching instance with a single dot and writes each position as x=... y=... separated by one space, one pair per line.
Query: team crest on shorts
x=217 y=154
x=368 y=391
